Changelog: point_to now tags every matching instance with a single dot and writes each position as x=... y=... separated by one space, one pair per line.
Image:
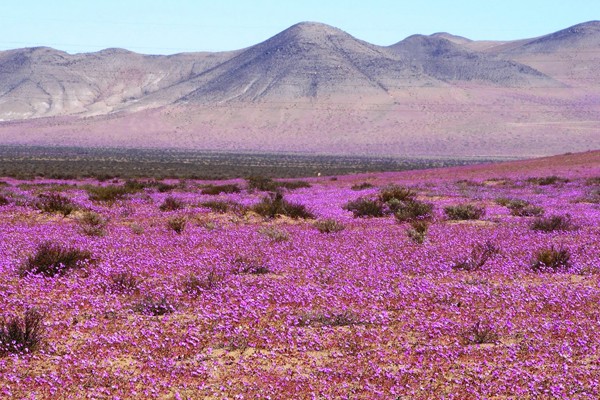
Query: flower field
x=465 y=283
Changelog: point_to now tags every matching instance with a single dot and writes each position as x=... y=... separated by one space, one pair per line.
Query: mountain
x=315 y=88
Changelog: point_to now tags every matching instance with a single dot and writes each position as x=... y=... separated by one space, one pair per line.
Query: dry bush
x=329 y=226
x=365 y=208
x=480 y=254
x=55 y=203
x=418 y=231
x=551 y=260
x=51 y=259
x=553 y=223
x=275 y=205
x=22 y=335
x=464 y=212
x=171 y=204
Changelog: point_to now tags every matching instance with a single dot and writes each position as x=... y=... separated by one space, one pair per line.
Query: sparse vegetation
x=224 y=206
x=124 y=281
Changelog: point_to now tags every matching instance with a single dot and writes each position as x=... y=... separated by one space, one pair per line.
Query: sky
x=173 y=26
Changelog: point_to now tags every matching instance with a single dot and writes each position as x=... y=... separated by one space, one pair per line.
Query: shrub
x=246 y=265
x=108 y=194
x=92 y=224
x=395 y=192
x=154 y=306
x=261 y=183
x=525 y=210
x=479 y=333
x=593 y=181
x=124 y=281
x=365 y=208
x=418 y=231
x=413 y=210
x=329 y=226
x=194 y=285
x=177 y=224
x=137 y=228
x=56 y=203
x=553 y=223
x=21 y=335
x=218 y=189
x=464 y=212
x=51 y=259
x=480 y=254
x=275 y=234
x=223 y=206
x=551 y=260
x=171 y=204
x=275 y=205
x=361 y=186
x=547 y=180
x=291 y=185
x=164 y=187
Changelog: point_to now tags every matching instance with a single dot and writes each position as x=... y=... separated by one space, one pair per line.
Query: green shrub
x=218 y=189
x=329 y=226
x=21 y=335
x=553 y=223
x=413 y=210
x=275 y=205
x=365 y=208
x=464 y=212
x=551 y=260
x=55 y=203
x=51 y=259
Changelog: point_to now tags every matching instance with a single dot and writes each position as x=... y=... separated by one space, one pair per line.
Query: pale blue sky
x=171 y=26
